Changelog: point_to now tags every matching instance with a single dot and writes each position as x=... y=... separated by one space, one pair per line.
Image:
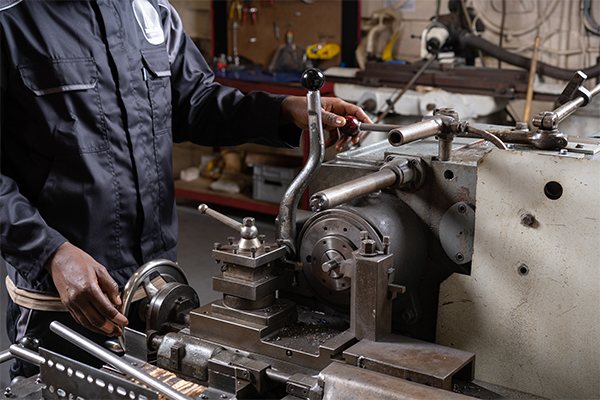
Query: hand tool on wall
x=235 y=6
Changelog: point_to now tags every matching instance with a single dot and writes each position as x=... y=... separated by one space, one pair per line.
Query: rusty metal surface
x=341 y=381
x=408 y=358
x=303 y=337
x=503 y=83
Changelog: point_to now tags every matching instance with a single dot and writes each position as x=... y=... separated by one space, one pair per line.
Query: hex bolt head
x=368 y=246
x=262 y=238
x=253 y=251
x=267 y=249
x=235 y=248
x=217 y=246
x=231 y=239
x=527 y=219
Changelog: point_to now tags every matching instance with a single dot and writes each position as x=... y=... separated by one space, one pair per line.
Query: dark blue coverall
x=94 y=93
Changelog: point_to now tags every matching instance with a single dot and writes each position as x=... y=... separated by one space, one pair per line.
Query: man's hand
x=293 y=111
x=87 y=290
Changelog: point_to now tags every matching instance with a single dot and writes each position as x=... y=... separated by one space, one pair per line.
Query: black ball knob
x=313 y=79
x=31 y=341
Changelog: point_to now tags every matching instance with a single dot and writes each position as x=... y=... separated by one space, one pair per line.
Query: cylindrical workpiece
x=97 y=351
x=420 y=130
x=350 y=190
x=26 y=354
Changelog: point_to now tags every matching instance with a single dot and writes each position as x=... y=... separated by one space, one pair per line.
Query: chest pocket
x=65 y=92
x=157 y=75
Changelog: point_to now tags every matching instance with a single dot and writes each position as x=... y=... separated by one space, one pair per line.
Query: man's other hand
x=87 y=290
x=293 y=110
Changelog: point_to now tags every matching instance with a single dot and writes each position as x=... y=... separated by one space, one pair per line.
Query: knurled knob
x=313 y=79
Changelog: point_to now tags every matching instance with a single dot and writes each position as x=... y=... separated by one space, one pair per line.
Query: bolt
x=408 y=315
x=367 y=247
x=217 y=246
x=223 y=396
x=288 y=353
x=224 y=268
x=8 y=392
x=521 y=126
x=579 y=146
x=267 y=249
x=386 y=245
x=462 y=208
x=563 y=152
x=279 y=242
x=230 y=239
x=235 y=248
x=262 y=238
x=38 y=380
x=459 y=257
x=360 y=362
x=527 y=219
x=253 y=251
x=203 y=396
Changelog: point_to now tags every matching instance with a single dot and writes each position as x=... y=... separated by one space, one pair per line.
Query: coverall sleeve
x=27 y=241
x=207 y=113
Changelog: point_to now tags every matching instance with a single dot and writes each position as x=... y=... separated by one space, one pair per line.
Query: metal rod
x=570 y=107
x=532 y=71
x=293 y=195
x=97 y=351
x=406 y=87
x=204 y=209
x=5 y=356
x=26 y=354
x=487 y=136
x=340 y=194
x=376 y=127
x=420 y=130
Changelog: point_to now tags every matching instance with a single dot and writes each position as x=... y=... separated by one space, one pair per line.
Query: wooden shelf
x=200 y=190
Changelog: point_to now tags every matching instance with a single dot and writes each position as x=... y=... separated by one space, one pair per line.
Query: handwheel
x=168 y=270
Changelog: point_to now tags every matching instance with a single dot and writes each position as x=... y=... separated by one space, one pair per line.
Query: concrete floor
x=197 y=233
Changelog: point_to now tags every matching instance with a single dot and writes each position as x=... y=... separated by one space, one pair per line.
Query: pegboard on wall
x=308 y=21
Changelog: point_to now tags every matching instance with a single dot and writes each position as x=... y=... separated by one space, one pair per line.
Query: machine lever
x=247 y=229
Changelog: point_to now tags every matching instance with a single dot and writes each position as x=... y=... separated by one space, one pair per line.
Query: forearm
x=27 y=242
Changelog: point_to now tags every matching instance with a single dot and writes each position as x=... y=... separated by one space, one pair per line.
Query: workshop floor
x=197 y=233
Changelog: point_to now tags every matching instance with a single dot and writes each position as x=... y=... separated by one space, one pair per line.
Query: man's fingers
x=108 y=286
x=331 y=119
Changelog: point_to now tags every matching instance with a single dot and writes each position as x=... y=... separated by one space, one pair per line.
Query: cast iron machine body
x=446 y=241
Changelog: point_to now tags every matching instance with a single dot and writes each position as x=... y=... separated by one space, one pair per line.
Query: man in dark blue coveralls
x=94 y=93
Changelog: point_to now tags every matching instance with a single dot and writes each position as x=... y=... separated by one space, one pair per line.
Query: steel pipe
x=104 y=355
x=419 y=130
x=345 y=192
x=26 y=354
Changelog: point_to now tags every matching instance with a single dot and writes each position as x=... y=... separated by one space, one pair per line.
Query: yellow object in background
x=322 y=51
x=387 y=52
